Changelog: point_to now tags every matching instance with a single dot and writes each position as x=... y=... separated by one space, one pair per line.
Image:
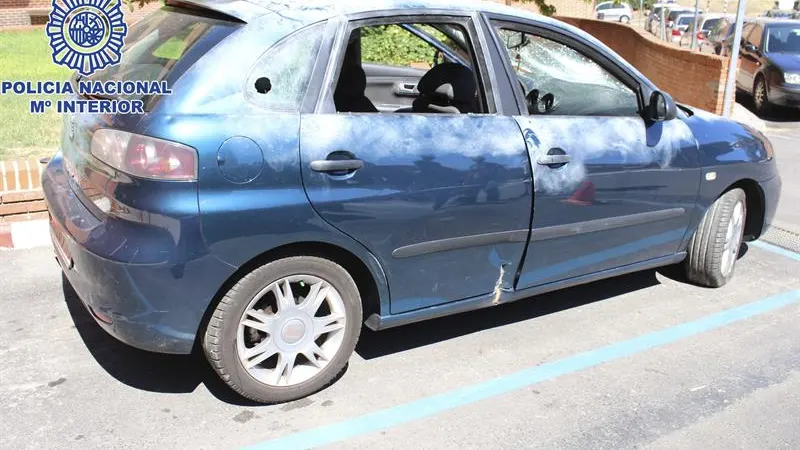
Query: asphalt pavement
x=640 y=361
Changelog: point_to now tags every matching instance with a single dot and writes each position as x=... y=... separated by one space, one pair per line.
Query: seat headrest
x=449 y=84
x=352 y=81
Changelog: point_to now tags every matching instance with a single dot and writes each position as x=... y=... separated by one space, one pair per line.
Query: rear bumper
x=785 y=96
x=155 y=307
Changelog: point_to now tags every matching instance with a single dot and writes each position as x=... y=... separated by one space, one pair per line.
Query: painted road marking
x=426 y=407
x=777 y=250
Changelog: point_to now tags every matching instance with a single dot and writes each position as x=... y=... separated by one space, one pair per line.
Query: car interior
x=442 y=81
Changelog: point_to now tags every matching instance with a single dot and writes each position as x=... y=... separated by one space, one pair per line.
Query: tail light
x=700 y=36
x=144 y=156
x=676 y=32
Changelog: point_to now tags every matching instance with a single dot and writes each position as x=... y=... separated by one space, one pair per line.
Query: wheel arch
x=755 y=203
x=369 y=278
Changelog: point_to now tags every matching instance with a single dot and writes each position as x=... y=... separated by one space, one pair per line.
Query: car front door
x=442 y=200
x=610 y=189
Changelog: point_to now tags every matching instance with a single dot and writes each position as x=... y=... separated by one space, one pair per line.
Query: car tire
x=251 y=317
x=761 y=96
x=714 y=248
x=624 y=19
x=717 y=50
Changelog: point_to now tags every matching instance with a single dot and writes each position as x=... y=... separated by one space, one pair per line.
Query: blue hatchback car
x=300 y=181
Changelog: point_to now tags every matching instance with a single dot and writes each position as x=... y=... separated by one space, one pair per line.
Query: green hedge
x=392 y=45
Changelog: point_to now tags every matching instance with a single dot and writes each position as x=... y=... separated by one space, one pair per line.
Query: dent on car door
x=609 y=189
x=442 y=199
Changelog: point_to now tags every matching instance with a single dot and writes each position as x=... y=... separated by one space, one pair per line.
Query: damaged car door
x=611 y=188
x=439 y=193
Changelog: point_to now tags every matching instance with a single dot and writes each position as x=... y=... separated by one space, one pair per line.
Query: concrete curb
x=28 y=234
x=745 y=116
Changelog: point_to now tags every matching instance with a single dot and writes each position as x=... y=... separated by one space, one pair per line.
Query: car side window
x=745 y=31
x=604 y=6
x=279 y=79
x=559 y=80
x=409 y=67
x=755 y=37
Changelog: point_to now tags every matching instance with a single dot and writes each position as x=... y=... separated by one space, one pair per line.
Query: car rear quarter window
x=710 y=24
x=280 y=78
x=163 y=45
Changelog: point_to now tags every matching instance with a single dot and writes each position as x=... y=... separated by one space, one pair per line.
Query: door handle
x=554 y=158
x=336 y=165
x=405 y=89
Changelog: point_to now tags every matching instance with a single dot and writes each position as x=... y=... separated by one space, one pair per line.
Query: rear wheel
x=714 y=248
x=624 y=19
x=285 y=330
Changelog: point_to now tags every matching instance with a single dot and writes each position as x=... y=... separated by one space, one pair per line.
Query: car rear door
x=443 y=201
x=750 y=64
x=610 y=189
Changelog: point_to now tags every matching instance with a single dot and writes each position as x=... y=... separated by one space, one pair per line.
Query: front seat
x=349 y=95
x=447 y=88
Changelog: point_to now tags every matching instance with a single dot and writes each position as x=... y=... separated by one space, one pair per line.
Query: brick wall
x=696 y=79
x=21 y=195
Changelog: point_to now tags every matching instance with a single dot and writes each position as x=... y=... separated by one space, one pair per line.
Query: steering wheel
x=538 y=105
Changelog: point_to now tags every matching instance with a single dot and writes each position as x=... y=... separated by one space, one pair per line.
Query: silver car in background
x=613 y=11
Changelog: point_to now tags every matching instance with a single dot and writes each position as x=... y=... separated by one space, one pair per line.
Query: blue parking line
x=430 y=406
x=775 y=249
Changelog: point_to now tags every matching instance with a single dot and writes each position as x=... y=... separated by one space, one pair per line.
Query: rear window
x=710 y=24
x=685 y=20
x=164 y=44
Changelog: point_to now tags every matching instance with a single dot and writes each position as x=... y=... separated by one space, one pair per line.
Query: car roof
x=776 y=20
x=309 y=11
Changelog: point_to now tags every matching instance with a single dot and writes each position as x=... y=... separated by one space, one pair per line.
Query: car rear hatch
x=137 y=185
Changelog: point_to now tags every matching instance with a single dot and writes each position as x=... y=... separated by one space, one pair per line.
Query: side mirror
x=661 y=107
x=750 y=48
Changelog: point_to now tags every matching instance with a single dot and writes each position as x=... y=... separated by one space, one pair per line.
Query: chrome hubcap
x=761 y=93
x=733 y=238
x=291 y=330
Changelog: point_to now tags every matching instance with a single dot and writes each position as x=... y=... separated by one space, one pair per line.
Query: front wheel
x=285 y=330
x=761 y=96
x=624 y=19
x=714 y=248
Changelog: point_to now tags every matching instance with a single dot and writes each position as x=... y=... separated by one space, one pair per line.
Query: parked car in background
x=671 y=14
x=271 y=206
x=719 y=35
x=770 y=63
x=679 y=27
x=654 y=17
x=779 y=14
x=614 y=11
x=705 y=24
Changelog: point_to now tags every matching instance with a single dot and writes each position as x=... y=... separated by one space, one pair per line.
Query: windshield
x=783 y=39
x=657 y=11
